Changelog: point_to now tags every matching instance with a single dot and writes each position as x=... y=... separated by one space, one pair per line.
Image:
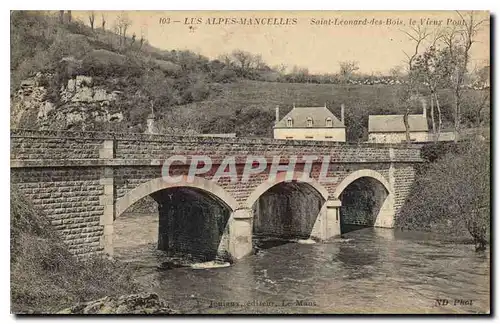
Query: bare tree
x=122 y=23
x=61 y=16
x=432 y=69
x=280 y=68
x=347 y=68
x=133 y=39
x=225 y=58
x=143 y=39
x=69 y=16
x=396 y=72
x=245 y=62
x=461 y=60
x=407 y=125
x=242 y=59
x=92 y=19
x=103 y=22
x=418 y=35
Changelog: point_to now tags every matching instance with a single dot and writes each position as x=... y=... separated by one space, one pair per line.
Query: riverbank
x=46 y=277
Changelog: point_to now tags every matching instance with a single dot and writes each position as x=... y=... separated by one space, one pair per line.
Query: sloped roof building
x=310 y=123
x=391 y=128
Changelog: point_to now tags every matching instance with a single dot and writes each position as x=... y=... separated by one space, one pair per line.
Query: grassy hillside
x=248 y=107
x=188 y=92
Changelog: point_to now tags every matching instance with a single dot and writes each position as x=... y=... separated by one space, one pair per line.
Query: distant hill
x=67 y=76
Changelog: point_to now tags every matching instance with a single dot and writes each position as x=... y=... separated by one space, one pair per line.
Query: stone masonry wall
x=404 y=175
x=70 y=200
x=76 y=177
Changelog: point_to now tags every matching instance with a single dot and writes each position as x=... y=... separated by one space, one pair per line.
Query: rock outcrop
x=132 y=304
x=81 y=102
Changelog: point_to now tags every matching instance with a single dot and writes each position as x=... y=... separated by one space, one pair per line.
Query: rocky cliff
x=81 y=104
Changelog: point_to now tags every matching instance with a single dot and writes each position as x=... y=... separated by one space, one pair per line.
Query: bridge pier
x=327 y=223
x=240 y=233
x=107 y=200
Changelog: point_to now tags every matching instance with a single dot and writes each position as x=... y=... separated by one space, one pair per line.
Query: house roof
x=395 y=123
x=319 y=115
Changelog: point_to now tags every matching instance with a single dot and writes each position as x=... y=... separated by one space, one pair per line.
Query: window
x=289 y=122
x=309 y=122
x=329 y=122
x=328 y=136
x=289 y=137
x=309 y=137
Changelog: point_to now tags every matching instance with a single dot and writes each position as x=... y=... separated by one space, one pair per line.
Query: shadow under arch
x=158 y=184
x=281 y=177
x=367 y=200
x=193 y=220
x=286 y=209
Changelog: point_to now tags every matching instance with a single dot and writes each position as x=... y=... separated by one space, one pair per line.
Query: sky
x=317 y=40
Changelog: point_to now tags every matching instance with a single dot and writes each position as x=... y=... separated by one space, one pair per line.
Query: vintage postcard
x=250 y=162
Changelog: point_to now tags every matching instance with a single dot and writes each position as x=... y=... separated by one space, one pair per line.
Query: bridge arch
x=281 y=177
x=367 y=199
x=360 y=174
x=285 y=209
x=158 y=184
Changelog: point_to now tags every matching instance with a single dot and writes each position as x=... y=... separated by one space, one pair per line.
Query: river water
x=366 y=271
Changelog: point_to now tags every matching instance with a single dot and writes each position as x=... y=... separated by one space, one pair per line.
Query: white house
x=310 y=123
x=391 y=128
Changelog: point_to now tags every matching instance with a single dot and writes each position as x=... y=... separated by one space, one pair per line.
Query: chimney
x=277 y=114
x=342 y=108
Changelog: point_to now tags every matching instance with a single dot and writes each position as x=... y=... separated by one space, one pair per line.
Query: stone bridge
x=84 y=181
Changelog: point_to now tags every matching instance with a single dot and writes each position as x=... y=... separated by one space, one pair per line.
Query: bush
x=45 y=276
x=453 y=195
x=226 y=75
x=107 y=64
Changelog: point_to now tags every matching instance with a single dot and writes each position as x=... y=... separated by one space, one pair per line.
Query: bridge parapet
x=83 y=148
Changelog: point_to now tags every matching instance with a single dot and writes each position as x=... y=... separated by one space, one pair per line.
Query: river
x=366 y=271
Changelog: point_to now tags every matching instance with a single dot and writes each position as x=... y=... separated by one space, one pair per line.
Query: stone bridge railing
x=36 y=148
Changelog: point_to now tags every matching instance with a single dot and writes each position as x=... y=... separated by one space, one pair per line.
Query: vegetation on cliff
x=452 y=194
x=45 y=276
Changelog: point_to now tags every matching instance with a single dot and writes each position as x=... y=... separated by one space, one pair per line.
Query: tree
x=122 y=23
x=143 y=37
x=396 y=72
x=431 y=68
x=347 y=68
x=133 y=39
x=280 y=68
x=418 y=35
x=91 y=20
x=407 y=125
x=244 y=62
x=141 y=41
x=103 y=22
x=61 y=16
x=459 y=43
